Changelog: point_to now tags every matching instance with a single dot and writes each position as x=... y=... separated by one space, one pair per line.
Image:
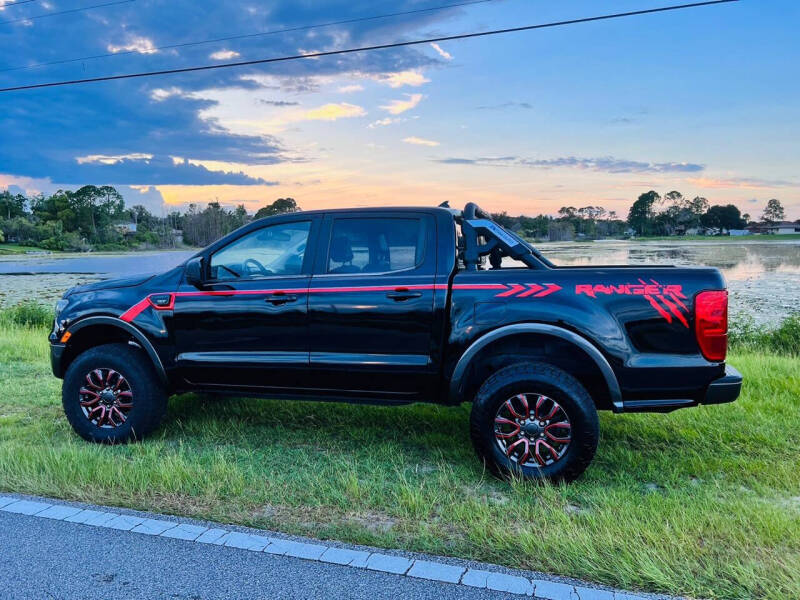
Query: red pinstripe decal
x=135 y=310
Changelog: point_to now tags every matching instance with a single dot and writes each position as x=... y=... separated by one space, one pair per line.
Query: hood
x=107 y=284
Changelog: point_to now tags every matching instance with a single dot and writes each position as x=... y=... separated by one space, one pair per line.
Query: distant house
x=739 y=232
x=127 y=228
x=779 y=228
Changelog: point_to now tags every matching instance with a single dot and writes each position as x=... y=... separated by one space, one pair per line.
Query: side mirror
x=194 y=271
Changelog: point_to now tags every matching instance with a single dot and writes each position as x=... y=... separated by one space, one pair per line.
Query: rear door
x=248 y=325
x=371 y=305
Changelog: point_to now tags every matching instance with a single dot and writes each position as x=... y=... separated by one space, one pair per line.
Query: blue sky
x=704 y=101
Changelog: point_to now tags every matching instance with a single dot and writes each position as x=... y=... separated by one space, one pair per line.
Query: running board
x=662 y=406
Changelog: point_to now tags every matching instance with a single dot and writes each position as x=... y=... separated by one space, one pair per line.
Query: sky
x=703 y=101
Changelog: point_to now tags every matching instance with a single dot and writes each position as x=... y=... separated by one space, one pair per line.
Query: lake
x=763 y=277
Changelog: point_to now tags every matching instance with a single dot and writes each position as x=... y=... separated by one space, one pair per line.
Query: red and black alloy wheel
x=532 y=429
x=112 y=395
x=106 y=398
x=536 y=421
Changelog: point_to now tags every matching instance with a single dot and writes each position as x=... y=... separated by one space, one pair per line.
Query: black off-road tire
x=535 y=378
x=148 y=396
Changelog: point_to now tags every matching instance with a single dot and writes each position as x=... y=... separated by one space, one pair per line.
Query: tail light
x=711 y=323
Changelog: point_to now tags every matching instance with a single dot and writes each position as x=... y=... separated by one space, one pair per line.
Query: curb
x=454 y=572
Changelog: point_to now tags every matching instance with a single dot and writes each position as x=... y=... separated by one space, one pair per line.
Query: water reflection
x=108 y=265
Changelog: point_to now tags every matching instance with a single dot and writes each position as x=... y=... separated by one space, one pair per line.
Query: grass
x=18 y=249
x=703 y=502
x=785 y=339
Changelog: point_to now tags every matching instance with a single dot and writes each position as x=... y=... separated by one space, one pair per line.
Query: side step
x=661 y=406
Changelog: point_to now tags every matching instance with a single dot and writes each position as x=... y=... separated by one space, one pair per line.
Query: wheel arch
x=95 y=331
x=570 y=351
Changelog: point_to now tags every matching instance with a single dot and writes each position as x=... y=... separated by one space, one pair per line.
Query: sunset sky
x=703 y=100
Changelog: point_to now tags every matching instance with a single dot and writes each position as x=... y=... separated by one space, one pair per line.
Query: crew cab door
x=248 y=324
x=371 y=305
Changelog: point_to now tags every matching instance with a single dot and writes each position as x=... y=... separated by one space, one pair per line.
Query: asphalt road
x=48 y=559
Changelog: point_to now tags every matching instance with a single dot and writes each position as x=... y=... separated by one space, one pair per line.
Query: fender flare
x=540 y=328
x=140 y=338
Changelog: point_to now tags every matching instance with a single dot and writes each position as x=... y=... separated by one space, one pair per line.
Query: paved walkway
x=54 y=549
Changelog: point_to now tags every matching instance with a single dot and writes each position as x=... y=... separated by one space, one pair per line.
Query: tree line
x=650 y=215
x=96 y=218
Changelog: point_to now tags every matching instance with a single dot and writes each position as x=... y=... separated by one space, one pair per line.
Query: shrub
x=783 y=339
x=29 y=314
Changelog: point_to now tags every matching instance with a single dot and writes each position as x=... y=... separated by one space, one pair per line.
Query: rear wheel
x=534 y=420
x=111 y=394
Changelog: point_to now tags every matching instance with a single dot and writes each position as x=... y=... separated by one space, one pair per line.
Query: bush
x=29 y=314
x=784 y=339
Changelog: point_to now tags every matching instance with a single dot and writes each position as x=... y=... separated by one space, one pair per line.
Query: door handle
x=401 y=294
x=280 y=298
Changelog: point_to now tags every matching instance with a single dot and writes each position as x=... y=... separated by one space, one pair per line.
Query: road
x=44 y=558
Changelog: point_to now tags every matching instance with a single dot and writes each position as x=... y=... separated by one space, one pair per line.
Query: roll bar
x=477 y=224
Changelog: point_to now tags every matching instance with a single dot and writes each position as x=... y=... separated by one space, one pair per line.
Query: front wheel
x=534 y=420
x=111 y=395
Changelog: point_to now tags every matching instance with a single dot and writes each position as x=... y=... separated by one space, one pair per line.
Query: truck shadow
x=627 y=442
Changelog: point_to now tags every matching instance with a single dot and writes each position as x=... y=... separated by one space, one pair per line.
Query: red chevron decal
x=526 y=290
x=515 y=289
x=532 y=289
x=551 y=287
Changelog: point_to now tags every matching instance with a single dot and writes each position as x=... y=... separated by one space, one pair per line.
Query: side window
x=376 y=245
x=273 y=250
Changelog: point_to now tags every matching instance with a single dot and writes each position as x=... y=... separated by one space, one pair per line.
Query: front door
x=248 y=325
x=371 y=305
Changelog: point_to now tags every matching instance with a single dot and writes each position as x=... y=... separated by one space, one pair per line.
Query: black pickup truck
x=393 y=306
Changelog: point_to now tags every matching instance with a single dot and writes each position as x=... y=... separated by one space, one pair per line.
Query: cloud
x=349 y=89
x=135 y=43
x=334 y=111
x=396 y=107
x=190 y=114
x=161 y=94
x=420 y=141
x=605 y=164
x=111 y=160
x=743 y=183
x=277 y=102
x=224 y=55
x=401 y=78
x=166 y=171
x=525 y=105
x=445 y=55
x=384 y=122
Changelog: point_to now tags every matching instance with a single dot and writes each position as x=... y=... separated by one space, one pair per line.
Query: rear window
x=376 y=245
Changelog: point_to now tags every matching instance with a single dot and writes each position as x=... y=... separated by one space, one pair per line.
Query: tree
x=567 y=212
x=773 y=213
x=723 y=217
x=280 y=206
x=504 y=220
x=11 y=205
x=641 y=214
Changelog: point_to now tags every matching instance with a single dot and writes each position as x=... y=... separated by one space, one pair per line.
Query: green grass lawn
x=18 y=249
x=703 y=502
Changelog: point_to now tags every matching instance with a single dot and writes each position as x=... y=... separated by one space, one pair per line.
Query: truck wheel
x=112 y=395
x=534 y=420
